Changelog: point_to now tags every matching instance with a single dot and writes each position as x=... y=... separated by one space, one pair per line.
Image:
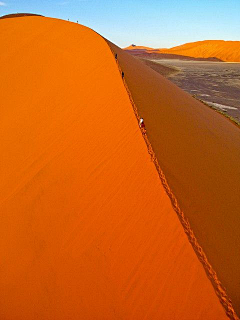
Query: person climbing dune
x=122 y=74
x=142 y=126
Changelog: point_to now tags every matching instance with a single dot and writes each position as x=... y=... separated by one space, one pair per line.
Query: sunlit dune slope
x=152 y=53
x=199 y=153
x=134 y=47
x=220 y=49
x=87 y=230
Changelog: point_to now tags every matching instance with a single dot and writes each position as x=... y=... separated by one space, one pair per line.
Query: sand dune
x=217 y=50
x=134 y=47
x=158 y=54
x=87 y=229
x=220 y=49
x=18 y=15
x=199 y=153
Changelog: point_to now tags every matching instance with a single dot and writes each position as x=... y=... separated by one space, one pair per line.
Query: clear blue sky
x=154 y=23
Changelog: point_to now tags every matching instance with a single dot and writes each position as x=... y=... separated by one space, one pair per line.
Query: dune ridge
x=19 y=15
x=228 y=51
x=220 y=290
x=215 y=50
x=87 y=229
x=192 y=144
x=133 y=47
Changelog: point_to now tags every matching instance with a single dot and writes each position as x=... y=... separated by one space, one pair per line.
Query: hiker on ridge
x=141 y=123
x=142 y=126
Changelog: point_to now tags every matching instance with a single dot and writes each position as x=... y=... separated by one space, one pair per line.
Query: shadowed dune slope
x=220 y=49
x=199 y=153
x=18 y=15
x=87 y=230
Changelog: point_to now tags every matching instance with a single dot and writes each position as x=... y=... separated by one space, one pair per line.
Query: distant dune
x=216 y=50
x=88 y=229
x=224 y=50
x=134 y=47
x=152 y=54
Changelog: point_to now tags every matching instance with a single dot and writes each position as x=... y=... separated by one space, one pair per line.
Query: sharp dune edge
x=87 y=229
x=220 y=290
x=199 y=152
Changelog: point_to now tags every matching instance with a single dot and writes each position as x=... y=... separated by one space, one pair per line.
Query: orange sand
x=223 y=50
x=199 y=153
x=228 y=51
x=87 y=230
x=138 y=48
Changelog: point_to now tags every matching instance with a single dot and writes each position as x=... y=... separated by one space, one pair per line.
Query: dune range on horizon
x=220 y=50
x=88 y=230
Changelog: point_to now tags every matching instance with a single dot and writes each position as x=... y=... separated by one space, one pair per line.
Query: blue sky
x=152 y=23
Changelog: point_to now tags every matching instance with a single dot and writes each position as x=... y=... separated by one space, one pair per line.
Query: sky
x=153 y=23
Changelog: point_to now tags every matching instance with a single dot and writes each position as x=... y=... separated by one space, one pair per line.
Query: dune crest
x=199 y=152
x=19 y=15
x=87 y=229
x=134 y=47
x=215 y=50
x=228 y=51
x=220 y=290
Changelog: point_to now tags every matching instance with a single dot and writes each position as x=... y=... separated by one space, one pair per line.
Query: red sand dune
x=224 y=50
x=134 y=47
x=199 y=153
x=221 y=50
x=87 y=229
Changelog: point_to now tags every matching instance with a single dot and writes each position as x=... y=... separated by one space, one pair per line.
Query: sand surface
x=216 y=50
x=199 y=153
x=87 y=230
x=223 y=50
x=166 y=71
x=134 y=47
